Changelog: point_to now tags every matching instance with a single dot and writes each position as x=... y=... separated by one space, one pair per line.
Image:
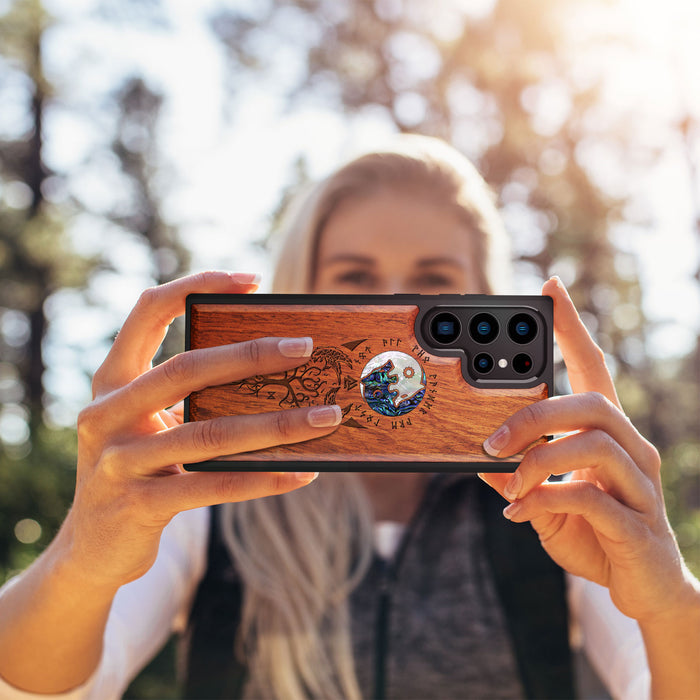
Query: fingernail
x=296 y=347
x=324 y=416
x=246 y=277
x=512 y=488
x=561 y=285
x=496 y=442
x=306 y=477
x=512 y=510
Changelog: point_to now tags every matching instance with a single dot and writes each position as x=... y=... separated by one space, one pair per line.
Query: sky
x=229 y=166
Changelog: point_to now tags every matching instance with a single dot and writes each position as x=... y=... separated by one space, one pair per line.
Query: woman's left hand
x=608 y=523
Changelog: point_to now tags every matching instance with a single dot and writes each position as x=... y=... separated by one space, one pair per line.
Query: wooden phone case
x=368 y=352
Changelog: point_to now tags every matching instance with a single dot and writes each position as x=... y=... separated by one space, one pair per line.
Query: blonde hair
x=419 y=163
x=299 y=555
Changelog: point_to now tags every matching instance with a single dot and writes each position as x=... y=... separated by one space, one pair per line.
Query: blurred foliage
x=135 y=144
x=37 y=260
x=36 y=257
x=482 y=81
x=35 y=487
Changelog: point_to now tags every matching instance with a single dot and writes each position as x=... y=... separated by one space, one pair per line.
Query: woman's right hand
x=130 y=480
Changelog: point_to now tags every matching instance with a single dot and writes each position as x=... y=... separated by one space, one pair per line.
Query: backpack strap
x=211 y=667
x=532 y=590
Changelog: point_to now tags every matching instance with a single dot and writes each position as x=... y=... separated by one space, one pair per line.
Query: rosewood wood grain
x=449 y=425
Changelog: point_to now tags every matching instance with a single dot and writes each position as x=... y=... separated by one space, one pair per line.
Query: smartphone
x=421 y=380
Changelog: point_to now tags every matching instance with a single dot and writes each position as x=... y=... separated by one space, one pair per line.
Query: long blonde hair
x=299 y=555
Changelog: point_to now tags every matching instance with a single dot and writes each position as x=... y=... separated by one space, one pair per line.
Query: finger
x=610 y=519
x=188 y=490
x=145 y=327
x=594 y=451
x=172 y=416
x=495 y=480
x=191 y=371
x=218 y=437
x=176 y=413
x=556 y=532
x=565 y=414
x=585 y=361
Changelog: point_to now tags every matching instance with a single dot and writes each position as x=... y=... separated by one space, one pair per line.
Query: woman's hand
x=130 y=480
x=608 y=523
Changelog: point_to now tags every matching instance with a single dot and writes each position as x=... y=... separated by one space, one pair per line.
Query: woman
x=416 y=218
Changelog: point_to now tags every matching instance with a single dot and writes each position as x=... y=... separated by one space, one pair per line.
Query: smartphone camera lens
x=522 y=328
x=522 y=363
x=483 y=328
x=483 y=363
x=445 y=328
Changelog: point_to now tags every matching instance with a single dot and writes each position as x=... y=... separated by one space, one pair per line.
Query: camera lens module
x=445 y=328
x=522 y=363
x=522 y=328
x=483 y=328
x=483 y=363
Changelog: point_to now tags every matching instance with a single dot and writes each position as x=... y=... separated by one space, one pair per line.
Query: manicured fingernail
x=496 y=442
x=306 y=477
x=324 y=416
x=561 y=285
x=512 y=510
x=512 y=488
x=481 y=476
x=246 y=277
x=296 y=347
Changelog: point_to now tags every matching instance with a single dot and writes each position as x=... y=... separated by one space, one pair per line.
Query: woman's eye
x=359 y=278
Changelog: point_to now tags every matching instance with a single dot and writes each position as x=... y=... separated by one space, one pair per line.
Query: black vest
x=530 y=586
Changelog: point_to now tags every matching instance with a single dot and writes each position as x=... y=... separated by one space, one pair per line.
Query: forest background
x=142 y=139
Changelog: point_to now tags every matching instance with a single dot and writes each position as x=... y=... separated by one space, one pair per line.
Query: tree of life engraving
x=316 y=382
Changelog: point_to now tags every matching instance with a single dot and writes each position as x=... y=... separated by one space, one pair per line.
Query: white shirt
x=147 y=611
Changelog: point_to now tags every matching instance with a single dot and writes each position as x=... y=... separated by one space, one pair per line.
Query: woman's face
x=395 y=242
